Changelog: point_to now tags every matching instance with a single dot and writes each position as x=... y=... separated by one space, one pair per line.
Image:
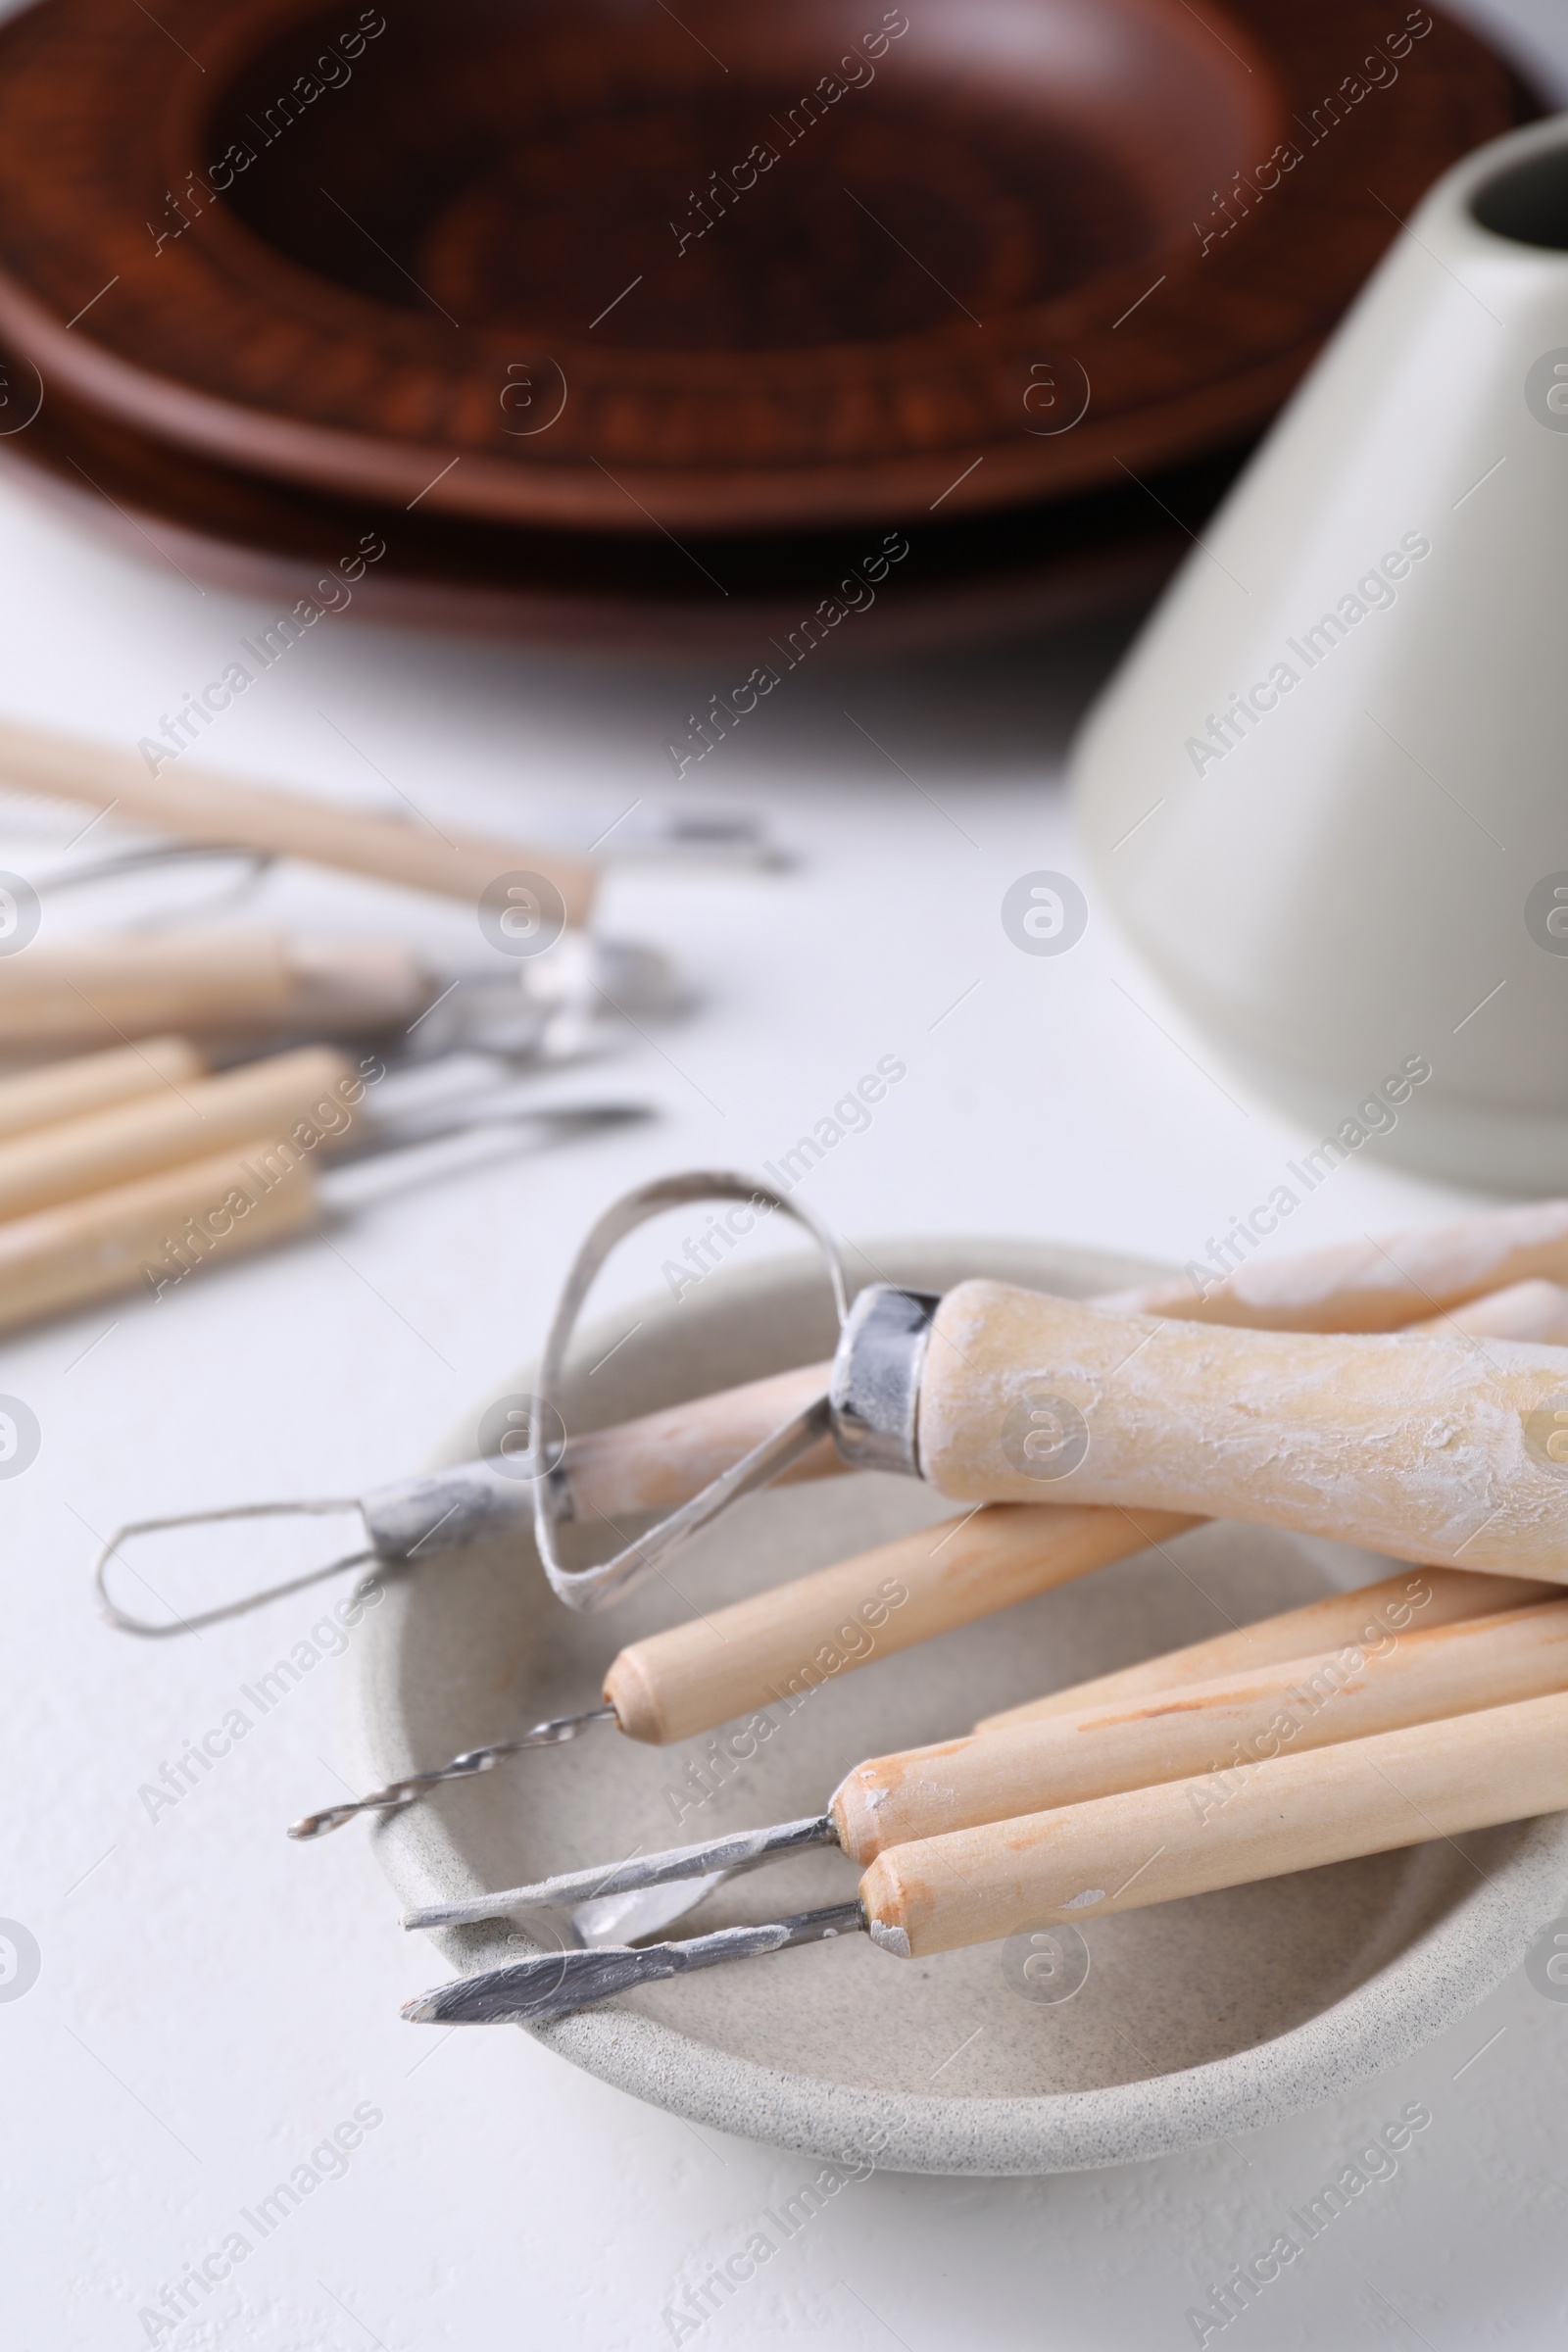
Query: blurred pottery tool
x=160 y=1228
x=1299 y=1703
x=178 y=1120
x=1381 y=1285
x=311 y=1097
x=1117 y=1852
x=169 y=859
x=653 y=835
x=204 y=806
x=68 y=1089
x=236 y=984
x=691 y=1458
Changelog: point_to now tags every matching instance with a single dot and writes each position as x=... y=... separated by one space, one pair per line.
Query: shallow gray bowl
x=1196 y=2019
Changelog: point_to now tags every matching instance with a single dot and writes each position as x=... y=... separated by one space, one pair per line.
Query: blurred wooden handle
x=68 y=1089
x=151 y=1233
x=1221 y=1727
x=210 y=983
x=787 y=1640
x=1417 y=1600
x=1536 y=1309
x=266 y=1100
x=1419 y=1444
x=1154 y=1845
x=1374 y=1286
x=196 y=804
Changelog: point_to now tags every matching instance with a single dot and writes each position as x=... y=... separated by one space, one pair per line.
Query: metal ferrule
x=875 y=1392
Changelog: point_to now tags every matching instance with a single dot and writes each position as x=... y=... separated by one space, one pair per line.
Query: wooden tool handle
x=664 y=1458
x=1420 y=1445
x=783 y=1642
x=210 y=983
x=197 y=804
x=1417 y=1598
x=746 y=1657
x=653 y=1464
x=314 y=1090
x=151 y=1234
x=1526 y=1310
x=749 y=1655
x=68 y=1089
x=1222 y=1728
x=1374 y=1286
x=1153 y=1845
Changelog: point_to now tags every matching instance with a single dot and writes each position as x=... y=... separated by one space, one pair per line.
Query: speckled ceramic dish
x=1199 y=2018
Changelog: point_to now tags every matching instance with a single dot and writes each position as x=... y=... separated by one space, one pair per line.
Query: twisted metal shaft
x=460 y=1768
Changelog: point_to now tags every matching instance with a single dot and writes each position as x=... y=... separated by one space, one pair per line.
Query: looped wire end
x=592 y=1588
x=126 y=1623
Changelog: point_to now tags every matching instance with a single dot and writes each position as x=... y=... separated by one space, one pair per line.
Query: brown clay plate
x=747 y=600
x=786 y=264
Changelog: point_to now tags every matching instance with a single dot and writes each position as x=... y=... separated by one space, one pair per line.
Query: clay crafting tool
x=686 y=1461
x=250 y=984
x=89 y=1124
x=1119 y=1853
x=755 y=1653
x=1229 y=1722
x=66 y=1089
x=174 y=1121
x=1374 y=1284
x=204 y=806
x=736 y=1659
x=994 y=1394
x=263 y=1186
x=1366 y=1617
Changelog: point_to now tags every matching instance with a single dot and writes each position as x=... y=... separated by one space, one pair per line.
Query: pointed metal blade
x=629 y=1918
x=529 y=1992
x=743 y=1851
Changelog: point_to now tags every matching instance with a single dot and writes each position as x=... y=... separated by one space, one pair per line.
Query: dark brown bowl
x=509 y=260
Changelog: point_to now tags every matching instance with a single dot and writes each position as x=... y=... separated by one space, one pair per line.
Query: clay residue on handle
x=1412 y=1443
x=1375 y=1285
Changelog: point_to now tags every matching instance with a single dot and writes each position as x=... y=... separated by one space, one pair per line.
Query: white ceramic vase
x=1326 y=791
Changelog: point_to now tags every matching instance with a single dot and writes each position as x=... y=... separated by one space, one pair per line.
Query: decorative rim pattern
x=259 y=363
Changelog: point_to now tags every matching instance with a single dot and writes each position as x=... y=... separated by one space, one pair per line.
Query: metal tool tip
x=316 y=1825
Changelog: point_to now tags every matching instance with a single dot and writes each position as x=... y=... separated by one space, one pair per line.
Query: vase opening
x=1528 y=202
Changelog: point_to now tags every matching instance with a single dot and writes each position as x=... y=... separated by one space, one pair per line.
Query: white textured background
x=214 y=2001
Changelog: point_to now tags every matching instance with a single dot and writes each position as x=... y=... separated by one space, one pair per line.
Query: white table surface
x=213 y=2003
